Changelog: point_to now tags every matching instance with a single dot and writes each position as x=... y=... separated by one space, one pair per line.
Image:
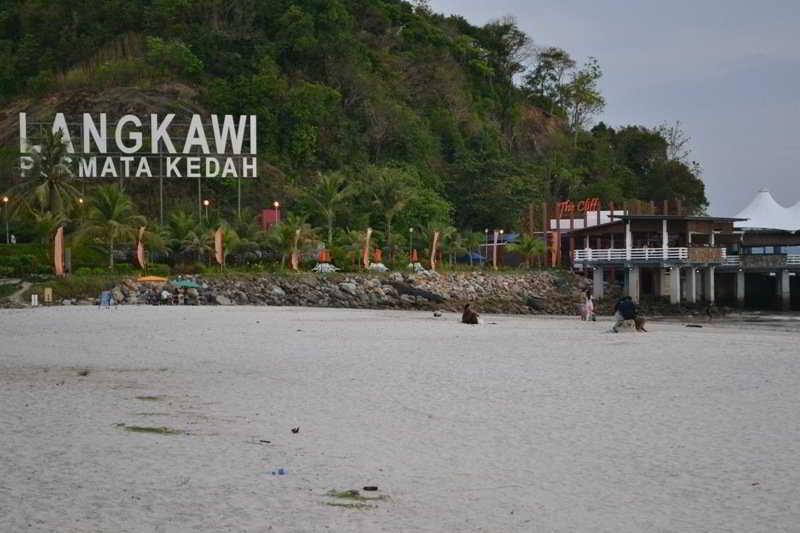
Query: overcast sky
x=728 y=70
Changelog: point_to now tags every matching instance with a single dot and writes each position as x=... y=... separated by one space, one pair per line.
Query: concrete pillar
x=628 y=240
x=633 y=277
x=784 y=288
x=664 y=238
x=708 y=286
x=691 y=285
x=597 y=283
x=674 y=285
x=659 y=281
x=740 y=288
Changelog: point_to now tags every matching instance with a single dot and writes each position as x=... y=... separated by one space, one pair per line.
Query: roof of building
x=620 y=219
x=764 y=212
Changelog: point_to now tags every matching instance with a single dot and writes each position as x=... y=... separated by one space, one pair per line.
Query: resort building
x=749 y=260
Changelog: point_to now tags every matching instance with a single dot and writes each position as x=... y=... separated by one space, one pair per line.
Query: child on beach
x=587 y=310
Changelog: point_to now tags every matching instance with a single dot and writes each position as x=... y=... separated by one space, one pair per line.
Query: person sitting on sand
x=469 y=316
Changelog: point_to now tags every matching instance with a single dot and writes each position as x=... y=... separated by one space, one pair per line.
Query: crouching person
x=469 y=316
x=624 y=310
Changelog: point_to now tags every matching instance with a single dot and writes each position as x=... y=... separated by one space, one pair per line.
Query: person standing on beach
x=587 y=312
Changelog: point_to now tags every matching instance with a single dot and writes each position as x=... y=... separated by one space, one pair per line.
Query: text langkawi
x=221 y=146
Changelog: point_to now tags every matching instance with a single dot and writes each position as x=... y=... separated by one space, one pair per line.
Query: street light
x=206 y=204
x=486 y=251
x=276 y=205
x=5 y=209
x=411 y=243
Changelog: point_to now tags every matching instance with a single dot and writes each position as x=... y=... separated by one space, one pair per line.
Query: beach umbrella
x=185 y=284
x=151 y=279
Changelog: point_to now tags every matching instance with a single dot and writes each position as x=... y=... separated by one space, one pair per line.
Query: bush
x=21 y=265
x=158 y=269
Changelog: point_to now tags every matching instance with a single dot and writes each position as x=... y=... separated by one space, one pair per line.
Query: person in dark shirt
x=624 y=310
x=469 y=316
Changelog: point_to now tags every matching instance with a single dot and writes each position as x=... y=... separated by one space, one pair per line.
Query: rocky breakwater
x=537 y=292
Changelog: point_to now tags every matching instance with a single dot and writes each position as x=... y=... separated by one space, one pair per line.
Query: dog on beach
x=469 y=316
x=639 y=323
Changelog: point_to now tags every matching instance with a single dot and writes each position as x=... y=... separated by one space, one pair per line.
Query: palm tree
x=328 y=197
x=472 y=242
x=45 y=224
x=455 y=245
x=111 y=219
x=529 y=246
x=427 y=231
x=198 y=242
x=390 y=193
x=47 y=184
x=179 y=225
x=282 y=236
x=353 y=242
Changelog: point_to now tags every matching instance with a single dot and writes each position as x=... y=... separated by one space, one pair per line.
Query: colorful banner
x=433 y=249
x=140 y=250
x=295 y=258
x=58 y=252
x=219 y=247
x=365 y=257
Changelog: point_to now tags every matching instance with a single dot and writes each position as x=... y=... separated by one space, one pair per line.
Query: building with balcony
x=671 y=256
x=736 y=260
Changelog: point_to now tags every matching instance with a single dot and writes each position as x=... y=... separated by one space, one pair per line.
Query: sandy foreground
x=521 y=424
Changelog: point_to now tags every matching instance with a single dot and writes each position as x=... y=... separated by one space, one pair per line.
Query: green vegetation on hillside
x=466 y=123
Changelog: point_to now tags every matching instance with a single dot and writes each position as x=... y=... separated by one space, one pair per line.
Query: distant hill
x=337 y=85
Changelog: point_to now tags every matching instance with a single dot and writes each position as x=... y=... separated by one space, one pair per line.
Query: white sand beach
x=521 y=424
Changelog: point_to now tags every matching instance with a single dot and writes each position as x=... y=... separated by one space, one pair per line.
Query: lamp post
x=5 y=212
x=486 y=252
x=206 y=204
x=411 y=244
x=276 y=205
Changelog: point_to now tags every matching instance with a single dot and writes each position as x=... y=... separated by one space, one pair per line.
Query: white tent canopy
x=766 y=213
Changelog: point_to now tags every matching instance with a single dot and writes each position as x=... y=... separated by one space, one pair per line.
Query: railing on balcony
x=588 y=255
x=736 y=260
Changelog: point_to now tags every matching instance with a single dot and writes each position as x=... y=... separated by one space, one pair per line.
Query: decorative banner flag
x=58 y=252
x=140 y=249
x=365 y=255
x=433 y=249
x=555 y=248
x=295 y=251
x=219 y=247
x=494 y=251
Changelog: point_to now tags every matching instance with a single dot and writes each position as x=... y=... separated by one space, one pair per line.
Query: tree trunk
x=389 y=239
x=111 y=254
x=330 y=232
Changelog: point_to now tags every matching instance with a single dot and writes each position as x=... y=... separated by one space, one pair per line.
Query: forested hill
x=476 y=120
